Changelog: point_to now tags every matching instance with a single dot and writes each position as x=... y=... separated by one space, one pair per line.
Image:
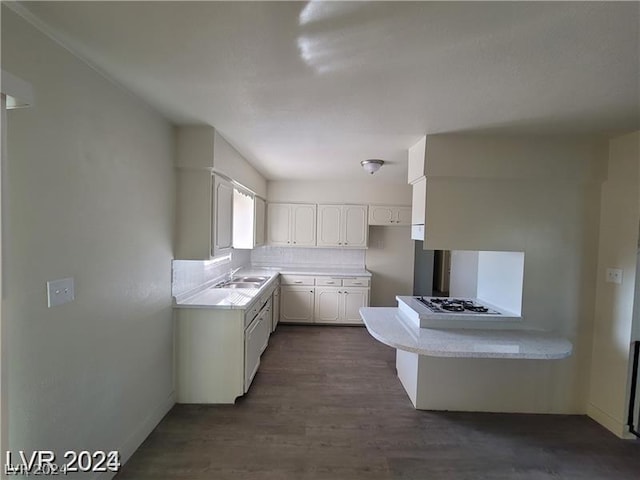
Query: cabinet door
x=265 y=327
x=259 y=221
x=329 y=225
x=303 y=225
x=328 y=305
x=296 y=304
x=381 y=215
x=355 y=226
x=253 y=340
x=276 y=309
x=278 y=223
x=353 y=300
x=223 y=220
x=403 y=216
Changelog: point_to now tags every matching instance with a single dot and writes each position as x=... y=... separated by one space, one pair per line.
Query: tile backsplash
x=300 y=257
x=190 y=274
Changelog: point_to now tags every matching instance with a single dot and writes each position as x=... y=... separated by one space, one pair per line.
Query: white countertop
x=391 y=327
x=232 y=298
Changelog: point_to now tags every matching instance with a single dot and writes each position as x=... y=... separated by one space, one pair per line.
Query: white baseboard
x=139 y=434
x=618 y=428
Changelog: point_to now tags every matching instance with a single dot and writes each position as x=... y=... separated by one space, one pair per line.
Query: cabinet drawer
x=355 y=282
x=297 y=280
x=329 y=282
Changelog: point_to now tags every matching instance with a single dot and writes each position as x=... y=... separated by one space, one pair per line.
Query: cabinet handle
x=298 y=281
x=331 y=283
x=346 y=243
x=339 y=243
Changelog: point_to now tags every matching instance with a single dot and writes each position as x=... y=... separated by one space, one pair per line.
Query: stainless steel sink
x=243 y=282
x=260 y=280
x=239 y=285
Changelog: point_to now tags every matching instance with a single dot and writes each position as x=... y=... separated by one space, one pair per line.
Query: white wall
x=91 y=196
x=500 y=279
x=373 y=191
x=619 y=219
x=463 y=274
x=540 y=196
x=390 y=253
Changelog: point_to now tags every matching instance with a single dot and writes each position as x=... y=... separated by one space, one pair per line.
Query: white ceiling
x=305 y=90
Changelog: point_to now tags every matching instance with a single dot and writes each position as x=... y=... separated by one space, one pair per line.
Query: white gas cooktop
x=445 y=312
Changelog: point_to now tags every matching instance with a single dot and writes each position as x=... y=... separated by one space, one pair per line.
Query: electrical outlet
x=60 y=291
x=614 y=275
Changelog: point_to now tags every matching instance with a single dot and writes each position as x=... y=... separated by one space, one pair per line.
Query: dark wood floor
x=326 y=404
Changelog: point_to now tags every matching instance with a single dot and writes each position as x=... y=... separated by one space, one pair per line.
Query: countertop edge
x=434 y=352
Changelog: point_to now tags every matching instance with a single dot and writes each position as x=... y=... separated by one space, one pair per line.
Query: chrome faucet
x=233 y=272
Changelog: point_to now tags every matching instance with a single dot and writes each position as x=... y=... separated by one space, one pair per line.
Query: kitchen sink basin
x=242 y=285
x=243 y=282
x=260 y=280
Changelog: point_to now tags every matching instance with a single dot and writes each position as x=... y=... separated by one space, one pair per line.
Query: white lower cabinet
x=252 y=350
x=328 y=305
x=256 y=339
x=354 y=299
x=275 y=310
x=323 y=300
x=218 y=350
x=296 y=304
x=210 y=359
x=340 y=305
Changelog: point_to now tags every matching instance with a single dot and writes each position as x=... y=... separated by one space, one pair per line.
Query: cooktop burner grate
x=454 y=305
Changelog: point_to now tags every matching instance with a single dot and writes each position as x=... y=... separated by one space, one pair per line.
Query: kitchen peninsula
x=470 y=369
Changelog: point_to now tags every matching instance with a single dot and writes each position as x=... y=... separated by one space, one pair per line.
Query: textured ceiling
x=305 y=90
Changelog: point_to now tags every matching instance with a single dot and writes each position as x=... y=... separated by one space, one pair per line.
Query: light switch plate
x=60 y=291
x=614 y=275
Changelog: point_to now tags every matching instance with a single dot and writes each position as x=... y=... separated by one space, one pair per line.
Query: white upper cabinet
x=223 y=220
x=278 y=224
x=342 y=226
x=259 y=221
x=356 y=225
x=291 y=224
x=204 y=201
x=329 y=225
x=389 y=215
x=303 y=225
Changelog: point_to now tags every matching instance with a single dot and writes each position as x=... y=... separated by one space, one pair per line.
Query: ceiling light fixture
x=372 y=166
